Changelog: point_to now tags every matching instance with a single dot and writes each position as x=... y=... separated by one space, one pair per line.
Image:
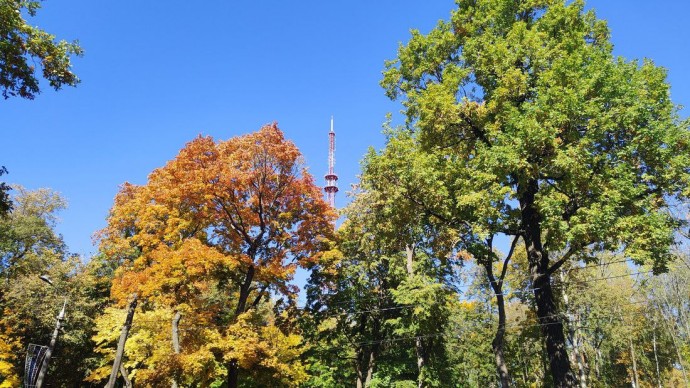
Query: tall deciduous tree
x=215 y=231
x=422 y=210
x=571 y=146
x=22 y=44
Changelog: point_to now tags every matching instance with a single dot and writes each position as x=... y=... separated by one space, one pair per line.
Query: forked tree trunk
x=370 y=368
x=497 y=286
x=125 y=376
x=547 y=311
x=121 y=343
x=366 y=365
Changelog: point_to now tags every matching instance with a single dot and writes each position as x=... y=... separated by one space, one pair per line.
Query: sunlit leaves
x=209 y=236
x=22 y=46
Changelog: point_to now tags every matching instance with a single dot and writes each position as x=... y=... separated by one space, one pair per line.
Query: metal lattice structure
x=35 y=356
x=331 y=177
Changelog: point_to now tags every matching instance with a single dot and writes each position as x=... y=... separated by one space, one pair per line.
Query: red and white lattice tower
x=331 y=178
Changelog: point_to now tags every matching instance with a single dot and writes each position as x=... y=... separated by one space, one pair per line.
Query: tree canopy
x=22 y=44
x=208 y=239
x=548 y=136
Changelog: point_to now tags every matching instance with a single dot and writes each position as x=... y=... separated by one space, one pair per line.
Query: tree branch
x=504 y=270
x=562 y=260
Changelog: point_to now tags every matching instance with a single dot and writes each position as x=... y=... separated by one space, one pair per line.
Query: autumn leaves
x=211 y=236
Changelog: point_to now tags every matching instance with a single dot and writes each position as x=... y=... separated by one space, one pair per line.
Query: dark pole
x=49 y=352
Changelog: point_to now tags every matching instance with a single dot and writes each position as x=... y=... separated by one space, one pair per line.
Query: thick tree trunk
x=176 y=338
x=233 y=373
x=552 y=329
x=121 y=343
x=547 y=311
x=360 y=368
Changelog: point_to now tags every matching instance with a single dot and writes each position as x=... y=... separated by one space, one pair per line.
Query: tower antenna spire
x=331 y=177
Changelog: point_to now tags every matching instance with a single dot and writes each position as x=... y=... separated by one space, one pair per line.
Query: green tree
x=569 y=146
x=22 y=44
x=29 y=248
x=398 y=185
x=392 y=282
x=348 y=303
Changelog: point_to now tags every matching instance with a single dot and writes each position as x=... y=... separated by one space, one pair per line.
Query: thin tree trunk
x=497 y=286
x=521 y=360
x=233 y=366
x=547 y=311
x=419 y=346
x=573 y=336
x=125 y=376
x=656 y=358
x=421 y=362
x=581 y=361
x=635 y=376
x=675 y=346
x=244 y=291
x=498 y=342
x=121 y=343
x=176 y=338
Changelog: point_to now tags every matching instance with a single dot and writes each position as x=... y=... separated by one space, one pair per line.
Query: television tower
x=331 y=178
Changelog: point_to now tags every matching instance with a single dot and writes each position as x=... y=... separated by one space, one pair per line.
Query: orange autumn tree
x=209 y=238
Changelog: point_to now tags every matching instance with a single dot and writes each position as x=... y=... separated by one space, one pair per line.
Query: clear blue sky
x=156 y=74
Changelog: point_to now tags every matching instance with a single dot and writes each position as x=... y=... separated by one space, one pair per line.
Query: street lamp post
x=53 y=339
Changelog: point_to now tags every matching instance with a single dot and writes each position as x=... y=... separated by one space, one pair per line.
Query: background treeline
x=526 y=227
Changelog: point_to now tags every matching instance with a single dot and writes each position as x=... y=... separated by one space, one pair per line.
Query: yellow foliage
x=210 y=235
x=9 y=348
x=267 y=348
